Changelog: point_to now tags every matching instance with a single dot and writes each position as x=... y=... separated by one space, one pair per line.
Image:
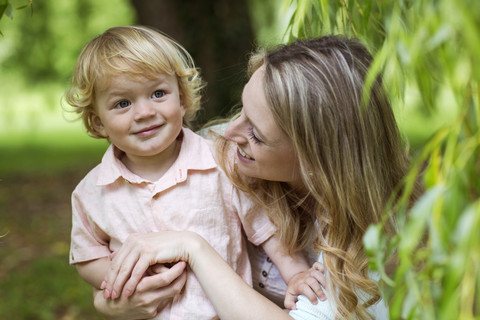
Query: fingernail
x=106 y=294
x=114 y=294
x=127 y=293
x=103 y=285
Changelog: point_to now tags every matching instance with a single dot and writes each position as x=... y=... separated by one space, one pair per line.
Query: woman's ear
x=97 y=125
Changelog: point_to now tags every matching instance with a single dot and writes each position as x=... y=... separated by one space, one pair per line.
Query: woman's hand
x=308 y=283
x=151 y=295
x=137 y=254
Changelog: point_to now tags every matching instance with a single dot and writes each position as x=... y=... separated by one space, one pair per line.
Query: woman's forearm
x=231 y=297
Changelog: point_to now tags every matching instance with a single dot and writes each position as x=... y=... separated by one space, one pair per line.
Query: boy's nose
x=144 y=109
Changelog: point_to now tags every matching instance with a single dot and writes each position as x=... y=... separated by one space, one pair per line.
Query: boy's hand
x=309 y=283
x=149 y=298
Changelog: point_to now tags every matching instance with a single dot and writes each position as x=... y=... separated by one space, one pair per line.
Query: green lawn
x=38 y=172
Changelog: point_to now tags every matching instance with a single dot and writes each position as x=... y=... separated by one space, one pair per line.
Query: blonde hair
x=350 y=152
x=140 y=52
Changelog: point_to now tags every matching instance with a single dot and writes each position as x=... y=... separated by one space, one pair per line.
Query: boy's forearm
x=94 y=271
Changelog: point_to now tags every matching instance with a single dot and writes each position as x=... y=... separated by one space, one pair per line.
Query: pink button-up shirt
x=194 y=194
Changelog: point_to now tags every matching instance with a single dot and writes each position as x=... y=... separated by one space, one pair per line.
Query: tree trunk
x=218 y=34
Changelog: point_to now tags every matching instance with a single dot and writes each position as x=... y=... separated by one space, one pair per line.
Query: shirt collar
x=195 y=154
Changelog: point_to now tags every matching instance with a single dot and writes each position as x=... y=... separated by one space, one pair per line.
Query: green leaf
x=8 y=11
x=3 y=6
x=419 y=216
x=371 y=239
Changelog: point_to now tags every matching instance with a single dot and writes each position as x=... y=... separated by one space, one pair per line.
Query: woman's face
x=264 y=150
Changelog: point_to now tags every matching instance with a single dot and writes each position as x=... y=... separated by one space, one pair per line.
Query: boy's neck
x=154 y=167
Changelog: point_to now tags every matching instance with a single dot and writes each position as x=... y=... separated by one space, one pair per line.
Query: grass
x=38 y=171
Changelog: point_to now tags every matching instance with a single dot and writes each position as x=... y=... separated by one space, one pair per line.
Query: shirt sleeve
x=256 y=224
x=85 y=242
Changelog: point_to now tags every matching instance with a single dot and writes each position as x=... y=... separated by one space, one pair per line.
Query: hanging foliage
x=430 y=49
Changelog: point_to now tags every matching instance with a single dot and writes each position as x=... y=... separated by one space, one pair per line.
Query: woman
x=322 y=157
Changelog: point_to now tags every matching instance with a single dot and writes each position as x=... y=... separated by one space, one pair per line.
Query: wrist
x=195 y=247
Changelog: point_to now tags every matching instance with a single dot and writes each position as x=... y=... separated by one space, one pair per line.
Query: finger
x=158 y=268
x=111 y=275
x=319 y=277
x=120 y=269
x=309 y=293
x=164 y=279
x=290 y=301
x=319 y=266
x=179 y=283
x=316 y=288
x=128 y=277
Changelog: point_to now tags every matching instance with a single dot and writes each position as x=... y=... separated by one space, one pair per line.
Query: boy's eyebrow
x=114 y=93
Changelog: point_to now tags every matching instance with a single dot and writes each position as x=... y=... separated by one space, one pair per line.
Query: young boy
x=139 y=89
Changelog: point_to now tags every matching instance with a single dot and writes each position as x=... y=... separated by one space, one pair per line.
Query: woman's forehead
x=257 y=110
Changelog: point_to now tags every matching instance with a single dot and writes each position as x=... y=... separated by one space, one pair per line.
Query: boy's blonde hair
x=139 y=51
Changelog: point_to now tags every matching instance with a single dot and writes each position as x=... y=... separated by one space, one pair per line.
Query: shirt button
x=264 y=273
x=261 y=285
x=269 y=260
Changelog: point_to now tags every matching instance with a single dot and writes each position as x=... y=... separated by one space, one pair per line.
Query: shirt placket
x=266 y=268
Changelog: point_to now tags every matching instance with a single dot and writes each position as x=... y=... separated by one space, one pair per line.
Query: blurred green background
x=44 y=152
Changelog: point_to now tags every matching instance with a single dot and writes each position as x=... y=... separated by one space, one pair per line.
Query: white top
x=325 y=310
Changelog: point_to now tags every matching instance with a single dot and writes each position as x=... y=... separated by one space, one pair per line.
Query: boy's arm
x=288 y=265
x=94 y=271
x=296 y=272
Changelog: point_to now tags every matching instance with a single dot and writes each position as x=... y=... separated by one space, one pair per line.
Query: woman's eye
x=254 y=138
x=158 y=94
x=122 y=104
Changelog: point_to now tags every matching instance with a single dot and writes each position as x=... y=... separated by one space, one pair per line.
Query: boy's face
x=140 y=116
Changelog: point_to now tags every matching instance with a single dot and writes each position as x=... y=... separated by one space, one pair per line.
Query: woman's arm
x=231 y=297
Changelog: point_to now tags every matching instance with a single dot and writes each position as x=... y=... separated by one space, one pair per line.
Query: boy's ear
x=182 y=105
x=98 y=125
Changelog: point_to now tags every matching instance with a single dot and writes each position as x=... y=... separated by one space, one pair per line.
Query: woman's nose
x=237 y=131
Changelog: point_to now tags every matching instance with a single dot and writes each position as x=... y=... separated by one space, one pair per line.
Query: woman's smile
x=243 y=156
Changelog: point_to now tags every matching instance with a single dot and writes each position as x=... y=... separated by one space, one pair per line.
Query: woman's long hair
x=351 y=157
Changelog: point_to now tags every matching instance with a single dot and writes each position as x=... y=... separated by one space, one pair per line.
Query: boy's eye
x=122 y=104
x=158 y=94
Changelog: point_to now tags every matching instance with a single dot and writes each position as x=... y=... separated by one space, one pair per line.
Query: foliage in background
x=44 y=46
x=428 y=49
x=42 y=157
x=6 y=8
